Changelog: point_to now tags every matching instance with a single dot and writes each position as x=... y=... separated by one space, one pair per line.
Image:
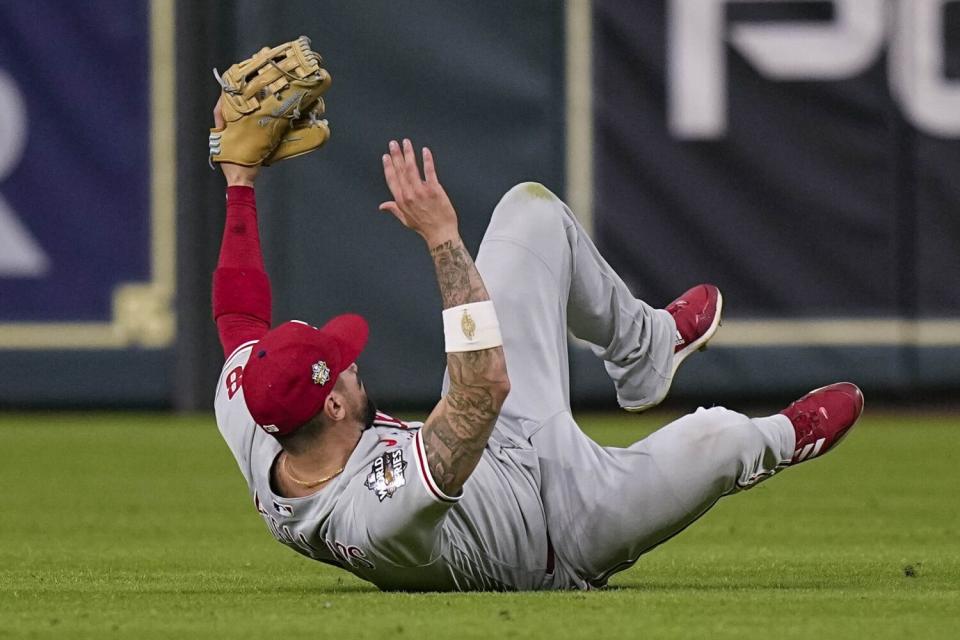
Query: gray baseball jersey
x=385 y=520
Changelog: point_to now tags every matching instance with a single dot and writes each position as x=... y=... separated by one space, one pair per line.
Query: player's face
x=361 y=407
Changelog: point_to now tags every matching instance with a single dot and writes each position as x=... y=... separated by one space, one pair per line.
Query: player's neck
x=323 y=458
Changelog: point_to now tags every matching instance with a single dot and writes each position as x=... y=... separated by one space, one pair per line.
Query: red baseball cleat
x=822 y=418
x=697 y=315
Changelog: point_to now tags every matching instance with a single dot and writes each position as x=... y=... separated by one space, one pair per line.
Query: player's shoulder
x=381 y=419
x=234 y=421
x=231 y=375
x=400 y=443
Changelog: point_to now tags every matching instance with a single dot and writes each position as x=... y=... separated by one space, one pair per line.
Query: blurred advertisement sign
x=801 y=154
x=20 y=255
x=699 y=34
x=86 y=197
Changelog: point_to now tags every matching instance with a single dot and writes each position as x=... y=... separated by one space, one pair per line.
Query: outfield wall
x=798 y=154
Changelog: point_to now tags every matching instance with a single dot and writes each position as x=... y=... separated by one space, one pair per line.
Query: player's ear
x=334 y=408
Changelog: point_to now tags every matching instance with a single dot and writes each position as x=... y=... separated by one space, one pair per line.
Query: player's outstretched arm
x=457 y=430
x=241 y=290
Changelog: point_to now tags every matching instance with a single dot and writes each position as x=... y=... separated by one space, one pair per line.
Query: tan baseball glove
x=271 y=106
x=305 y=134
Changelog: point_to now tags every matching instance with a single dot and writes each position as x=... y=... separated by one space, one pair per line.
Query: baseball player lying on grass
x=498 y=489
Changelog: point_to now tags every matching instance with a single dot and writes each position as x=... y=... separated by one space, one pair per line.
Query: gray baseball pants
x=604 y=506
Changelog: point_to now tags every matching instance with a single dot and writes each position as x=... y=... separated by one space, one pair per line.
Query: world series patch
x=386 y=475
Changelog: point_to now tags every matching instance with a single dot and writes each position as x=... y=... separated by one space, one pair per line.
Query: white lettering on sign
x=20 y=255
x=698 y=34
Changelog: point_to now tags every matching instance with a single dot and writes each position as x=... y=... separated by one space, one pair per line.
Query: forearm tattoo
x=458 y=277
x=457 y=431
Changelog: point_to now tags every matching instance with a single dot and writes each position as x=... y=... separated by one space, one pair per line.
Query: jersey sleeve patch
x=387 y=474
x=424 y=472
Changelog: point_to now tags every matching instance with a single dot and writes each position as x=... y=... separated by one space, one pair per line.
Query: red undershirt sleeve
x=241 y=289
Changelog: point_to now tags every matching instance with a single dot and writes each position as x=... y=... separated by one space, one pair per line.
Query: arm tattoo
x=459 y=280
x=457 y=431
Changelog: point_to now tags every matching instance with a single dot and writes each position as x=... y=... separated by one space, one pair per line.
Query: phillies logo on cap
x=321 y=373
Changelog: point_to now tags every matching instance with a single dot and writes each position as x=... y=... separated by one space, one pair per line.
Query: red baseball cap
x=293 y=368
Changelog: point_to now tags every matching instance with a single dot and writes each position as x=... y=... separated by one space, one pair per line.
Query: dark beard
x=369 y=413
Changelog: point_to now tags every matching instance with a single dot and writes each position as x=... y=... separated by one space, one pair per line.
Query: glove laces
x=229 y=88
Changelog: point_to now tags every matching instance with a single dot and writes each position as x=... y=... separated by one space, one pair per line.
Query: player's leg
x=638 y=344
x=539 y=265
x=606 y=506
x=525 y=260
x=641 y=347
x=545 y=275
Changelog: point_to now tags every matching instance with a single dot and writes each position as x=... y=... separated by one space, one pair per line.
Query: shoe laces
x=806 y=423
x=675 y=306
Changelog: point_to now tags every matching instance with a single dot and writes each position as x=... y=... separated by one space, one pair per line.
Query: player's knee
x=528 y=205
x=530 y=190
x=529 y=198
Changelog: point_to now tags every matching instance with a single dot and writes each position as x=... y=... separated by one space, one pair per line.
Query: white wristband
x=471 y=327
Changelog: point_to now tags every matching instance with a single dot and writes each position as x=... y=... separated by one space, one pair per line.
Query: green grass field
x=133 y=525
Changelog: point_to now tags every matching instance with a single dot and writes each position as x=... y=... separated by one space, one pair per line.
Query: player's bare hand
x=419 y=203
x=235 y=174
